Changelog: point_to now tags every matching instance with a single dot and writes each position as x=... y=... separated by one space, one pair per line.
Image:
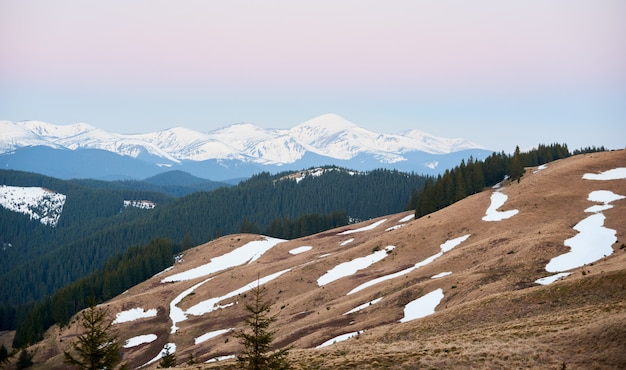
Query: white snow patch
x=140 y=339
x=445 y=247
x=364 y=228
x=541 y=168
x=247 y=253
x=440 y=275
x=340 y=338
x=604 y=196
x=614 y=174
x=393 y=227
x=351 y=267
x=552 y=278
x=37 y=203
x=220 y=358
x=364 y=306
x=299 y=250
x=407 y=218
x=176 y=314
x=142 y=204
x=172 y=347
x=422 y=306
x=211 y=334
x=212 y=304
x=346 y=242
x=134 y=314
x=592 y=243
x=497 y=200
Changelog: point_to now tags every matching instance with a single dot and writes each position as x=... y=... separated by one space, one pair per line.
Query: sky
x=498 y=73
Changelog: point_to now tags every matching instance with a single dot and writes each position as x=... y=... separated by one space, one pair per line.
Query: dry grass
x=493 y=315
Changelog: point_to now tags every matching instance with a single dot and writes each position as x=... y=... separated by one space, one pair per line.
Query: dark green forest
x=38 y=260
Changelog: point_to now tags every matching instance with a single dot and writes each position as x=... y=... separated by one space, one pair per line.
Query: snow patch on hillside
x=340 y=338
x=445 y=247
x=497 y=200
x=38 y=203
x=613 y=174
x=139 y=340
x=246 y=253
x=209 y=335
x=134 y=314
x=422 y=306
x=364 y=228
x=351 y=267
x=142 y=204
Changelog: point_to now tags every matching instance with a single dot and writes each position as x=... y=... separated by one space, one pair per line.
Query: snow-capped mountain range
x=327 y=139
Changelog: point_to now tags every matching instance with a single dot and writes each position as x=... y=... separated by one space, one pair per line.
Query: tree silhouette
x=98 y=347
x=25 y=359
x=257 y=342
x=168 y=359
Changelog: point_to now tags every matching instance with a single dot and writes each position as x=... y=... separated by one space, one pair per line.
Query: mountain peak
x=331 y=122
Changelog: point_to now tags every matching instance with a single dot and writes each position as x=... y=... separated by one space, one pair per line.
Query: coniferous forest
x=38 y=262
x=100 y=248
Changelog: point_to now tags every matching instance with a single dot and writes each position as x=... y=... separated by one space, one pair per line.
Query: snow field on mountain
x=328 y=135
x=364 y=306
x=139 y=340
x=445 y=247
x=364 y=228
x=134 y=314
x=141 y=204
x=38 y=203
x=211 y=334
x=340 y=338
x=299 y=250
x=246 y=253
x=351 y=267
x=423 y=306
x=497 y=200
x=593 y=241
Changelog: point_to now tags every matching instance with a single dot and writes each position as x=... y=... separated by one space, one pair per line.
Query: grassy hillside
x=493 y=313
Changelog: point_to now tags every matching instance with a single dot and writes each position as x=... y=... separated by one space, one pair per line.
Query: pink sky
x=259 y=61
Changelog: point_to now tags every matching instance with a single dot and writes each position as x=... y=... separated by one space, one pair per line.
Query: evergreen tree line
x=472 y=177
x=304 y=225
x=121 y=272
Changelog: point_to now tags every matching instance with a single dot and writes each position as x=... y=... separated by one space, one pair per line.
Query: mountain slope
x=238 y=150
x=481 y=277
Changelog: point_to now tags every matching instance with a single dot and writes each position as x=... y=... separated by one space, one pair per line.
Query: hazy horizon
x=496 y=73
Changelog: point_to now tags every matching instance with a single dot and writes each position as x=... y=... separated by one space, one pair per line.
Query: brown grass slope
x=492 y=315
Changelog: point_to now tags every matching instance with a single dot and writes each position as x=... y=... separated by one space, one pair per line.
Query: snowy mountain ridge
x=328 y=135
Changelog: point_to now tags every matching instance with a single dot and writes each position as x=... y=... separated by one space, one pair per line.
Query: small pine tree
x=257 y=354
x=168 y=359
x=4 y=355
x=516 y=170
x=25 y=360
x=98 y=347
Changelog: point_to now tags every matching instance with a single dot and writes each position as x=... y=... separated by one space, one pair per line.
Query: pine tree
x=98 y=347
x=516 y=170
x=168 y=359
x=25 y=360
x=4 y=355
x=257 y=354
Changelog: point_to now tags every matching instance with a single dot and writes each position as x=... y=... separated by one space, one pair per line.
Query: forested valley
x=37 y=260
x=100 y=248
